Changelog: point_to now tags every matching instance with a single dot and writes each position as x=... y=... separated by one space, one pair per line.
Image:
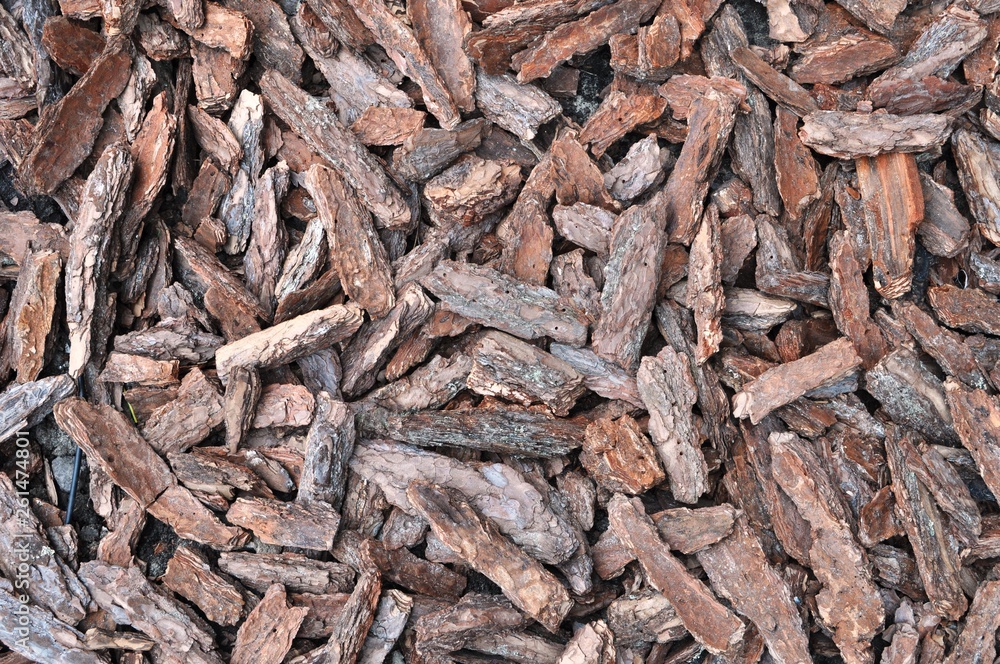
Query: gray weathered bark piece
x=669 y=393
x=517 y=371
x=48 y=639
x=23 y=405
x=502 y=431
x=89 y=261
x=329 y=447
x=631 y=277
x=288 y=341
x=497 y=491
x=490 y=298
x=133 y=600
x=851 y=135
x=25 y=555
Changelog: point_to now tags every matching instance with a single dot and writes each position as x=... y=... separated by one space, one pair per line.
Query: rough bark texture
x=526 y=583
x=850 y=135
x=835 y=556
x=361 y=260
x=894 y=205
x=75 y=122
x=935 y=545
x=669 y=393
x=783 y=384
x=366 y=349
x=740 y=572
x=339 y=146
x=712 y=624
x=487 y=297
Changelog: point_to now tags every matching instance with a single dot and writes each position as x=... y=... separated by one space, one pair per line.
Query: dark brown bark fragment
x=531 y=587
x=935 y=545
x=849 y=302
x=502 y=431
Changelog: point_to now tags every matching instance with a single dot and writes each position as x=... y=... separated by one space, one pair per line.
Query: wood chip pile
x=552 y=331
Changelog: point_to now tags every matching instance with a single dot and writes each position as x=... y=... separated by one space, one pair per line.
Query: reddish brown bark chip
x=842 y=54
x=711 y=121
x=422 y=309
x=71 y=46
x=712 y=624
x=621 y=112
x=796 y=170
x=266 y=635
x=894 y=205
x=526 y=583
x=849 y=602
x=620 y=457
x=189 y=575
x=399 y=40
x=116 y=447
x=305 y=526
x=787 y=382
x=385 y=125
x=67 y=135
x=773 y=83
x=363 y=266
x=739 y=571
x=441 y=27
x=580 y=36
